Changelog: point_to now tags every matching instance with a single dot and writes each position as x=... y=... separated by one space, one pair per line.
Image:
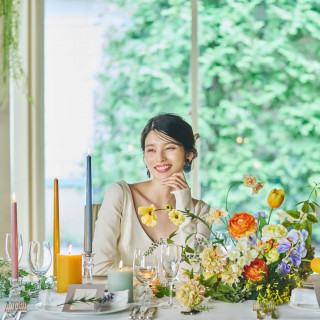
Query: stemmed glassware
x=225 y=236
x=170 y=261
x=39 y=257
x=8 y=246
x=145 y=268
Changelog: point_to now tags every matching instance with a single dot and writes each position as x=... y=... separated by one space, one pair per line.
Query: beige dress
x=118 y=231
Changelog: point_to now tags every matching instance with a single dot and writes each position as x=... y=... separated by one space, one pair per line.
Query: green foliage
x=164 y=291
x=259 y=80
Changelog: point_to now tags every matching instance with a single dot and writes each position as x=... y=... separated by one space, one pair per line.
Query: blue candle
x=88 y=238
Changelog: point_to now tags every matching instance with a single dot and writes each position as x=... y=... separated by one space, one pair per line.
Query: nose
x=161 y=156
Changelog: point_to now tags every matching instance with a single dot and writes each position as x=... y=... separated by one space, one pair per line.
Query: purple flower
x=284 y=245
x=107 y=297
x=253 y=240
x=301 y=249
x=260 y=213
x=296 y=258
x=293 y=235
x=284 y=267
x=304 y=234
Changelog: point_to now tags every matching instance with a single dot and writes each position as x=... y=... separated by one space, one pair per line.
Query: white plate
x=54 y=309
x=309 y=307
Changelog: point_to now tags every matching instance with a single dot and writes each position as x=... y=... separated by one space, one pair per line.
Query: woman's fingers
x=176 y=181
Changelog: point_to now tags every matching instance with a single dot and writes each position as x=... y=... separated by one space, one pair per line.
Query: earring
x=187 y=166
x=148 y=172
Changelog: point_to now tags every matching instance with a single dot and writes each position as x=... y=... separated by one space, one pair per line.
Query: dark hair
x=173 y=126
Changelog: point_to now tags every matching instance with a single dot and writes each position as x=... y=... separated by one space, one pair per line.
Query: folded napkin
x=51 y=298
x=120 y=299
x=303 y=296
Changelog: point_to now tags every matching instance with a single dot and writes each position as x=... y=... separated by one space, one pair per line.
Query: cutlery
x=22 y=308
x=151 y=313
x=143 y=311
x=10 y=310
x=134 y=312
x=256 y=307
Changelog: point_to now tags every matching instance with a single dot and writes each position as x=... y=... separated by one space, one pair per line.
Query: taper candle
x=14 y=241
x=56 y=232
x=88 y=237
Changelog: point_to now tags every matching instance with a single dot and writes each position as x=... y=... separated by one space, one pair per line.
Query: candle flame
x=70 y=248
x=89 y=152
x=120 y=265
x=13 y=196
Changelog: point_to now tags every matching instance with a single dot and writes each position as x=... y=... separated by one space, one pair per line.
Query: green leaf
x=305 y=207
x=189 y=236
x=298 y=203
x=210 y=282
x=191 y=274
x=262 y=223
x=293 y=213
x=316 y=193
x=312 y=206
x=312 y=218
x=315 y=204
x=298 y=226
x=159 y=294
x=189 y=250
x=287 y=224
x=225 y=287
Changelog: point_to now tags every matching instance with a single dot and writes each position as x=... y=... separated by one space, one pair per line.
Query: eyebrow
x=152 y=144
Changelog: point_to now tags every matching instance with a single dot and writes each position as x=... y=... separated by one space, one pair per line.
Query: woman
x=168 y=145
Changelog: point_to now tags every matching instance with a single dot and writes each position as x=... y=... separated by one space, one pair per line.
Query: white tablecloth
x=218 y=310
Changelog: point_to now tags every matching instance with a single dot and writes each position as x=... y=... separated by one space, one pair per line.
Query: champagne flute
x=145 y=268
x=170 y=261
x=9 y=244
x=39 y=258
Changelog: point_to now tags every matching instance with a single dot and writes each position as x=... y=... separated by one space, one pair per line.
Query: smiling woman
x=168 y=145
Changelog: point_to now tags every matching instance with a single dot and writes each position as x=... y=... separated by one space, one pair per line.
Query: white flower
x=243 y=261
x=243 y=244
x=215 y=215
x=234 y=254
x=253 y=253
x=273 y=231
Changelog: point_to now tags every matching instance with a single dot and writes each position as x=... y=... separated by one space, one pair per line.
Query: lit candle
x=121 y=279
x=88 y=237
x=14 y=241
x=69 y=270
x=56 y=234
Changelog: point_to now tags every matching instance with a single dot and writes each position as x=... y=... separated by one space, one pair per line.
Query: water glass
x=8 y=246
x=170 y=261
x=39 y=257
x=225 y=236
x=145 y=268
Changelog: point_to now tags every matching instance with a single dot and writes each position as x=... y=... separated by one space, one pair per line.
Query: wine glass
x=39 y=258
x=8 y=246
x=170 y=260
x=145 y=268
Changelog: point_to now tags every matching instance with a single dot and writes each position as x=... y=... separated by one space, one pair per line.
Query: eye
x=170 y=148
x=150 y=150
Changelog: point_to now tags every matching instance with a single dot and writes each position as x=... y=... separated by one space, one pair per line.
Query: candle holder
x=16 y=288
x=88 y=266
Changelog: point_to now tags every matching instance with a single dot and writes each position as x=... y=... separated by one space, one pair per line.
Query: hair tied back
x=196 y=136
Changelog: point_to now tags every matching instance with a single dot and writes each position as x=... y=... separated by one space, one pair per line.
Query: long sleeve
x=184 y=202
x=108 y=229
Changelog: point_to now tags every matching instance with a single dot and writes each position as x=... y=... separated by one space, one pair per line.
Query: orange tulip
x=275 y=198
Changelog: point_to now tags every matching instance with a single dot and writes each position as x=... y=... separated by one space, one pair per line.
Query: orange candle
x=69 y=271
x=56 y=234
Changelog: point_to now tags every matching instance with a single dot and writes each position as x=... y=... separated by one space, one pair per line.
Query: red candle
x=14 y=241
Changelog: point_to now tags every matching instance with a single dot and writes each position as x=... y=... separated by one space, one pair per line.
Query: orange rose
x=242 y=224
x=256 y=270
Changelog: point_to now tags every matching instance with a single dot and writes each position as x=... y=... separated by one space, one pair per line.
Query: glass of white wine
x=145 y=268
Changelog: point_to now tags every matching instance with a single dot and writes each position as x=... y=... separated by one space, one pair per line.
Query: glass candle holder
x=88 y=266
x=15 y=290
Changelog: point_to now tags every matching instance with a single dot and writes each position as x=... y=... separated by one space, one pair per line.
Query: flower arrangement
x=266 y=260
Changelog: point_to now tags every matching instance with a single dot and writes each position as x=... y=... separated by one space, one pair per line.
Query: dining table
x=216 y=310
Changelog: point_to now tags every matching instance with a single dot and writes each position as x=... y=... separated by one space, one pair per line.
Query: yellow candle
x=69 y=271
x=56 y=235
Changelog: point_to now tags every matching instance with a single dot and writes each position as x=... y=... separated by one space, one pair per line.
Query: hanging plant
x=11 y=60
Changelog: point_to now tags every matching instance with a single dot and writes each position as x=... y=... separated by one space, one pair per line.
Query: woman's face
x=163 y=155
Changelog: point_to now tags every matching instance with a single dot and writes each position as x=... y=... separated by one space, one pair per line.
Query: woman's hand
x=177 y=181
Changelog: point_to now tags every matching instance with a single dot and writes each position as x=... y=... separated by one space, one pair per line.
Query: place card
x=77 y=291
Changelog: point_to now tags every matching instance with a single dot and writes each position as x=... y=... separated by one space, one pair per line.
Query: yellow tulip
x=275 y=198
